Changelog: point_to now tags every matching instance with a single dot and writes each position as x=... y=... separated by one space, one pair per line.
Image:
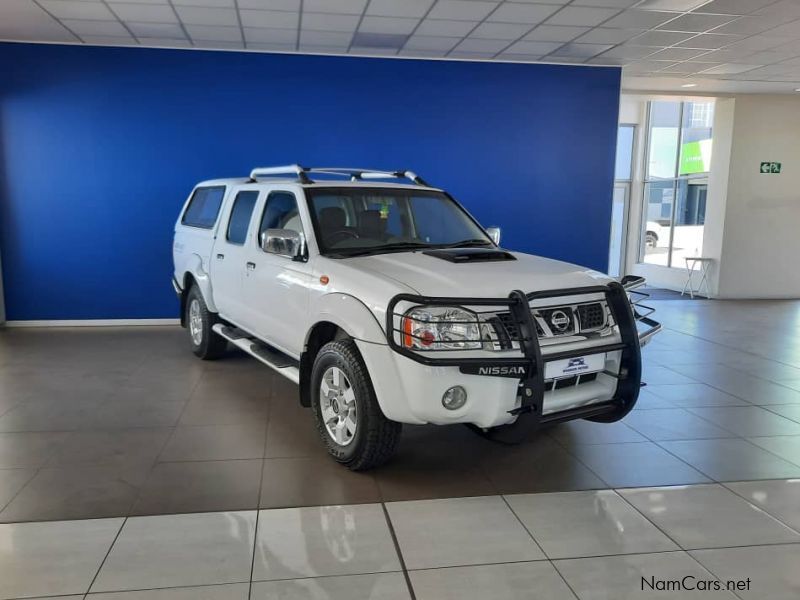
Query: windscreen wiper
x=395 y=247
x=473 y=243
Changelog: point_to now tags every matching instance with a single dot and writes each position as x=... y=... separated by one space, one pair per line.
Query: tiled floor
x=107 y=422
x=579 y=545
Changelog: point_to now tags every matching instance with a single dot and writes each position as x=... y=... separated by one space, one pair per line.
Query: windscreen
x=350 y=221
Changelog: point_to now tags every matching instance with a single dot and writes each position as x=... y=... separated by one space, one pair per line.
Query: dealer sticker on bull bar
x=578 y=365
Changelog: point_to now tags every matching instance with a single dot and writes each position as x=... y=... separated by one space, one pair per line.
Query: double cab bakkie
x=388 y=303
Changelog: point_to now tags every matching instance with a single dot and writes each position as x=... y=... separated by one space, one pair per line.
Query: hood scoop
x=471 y=255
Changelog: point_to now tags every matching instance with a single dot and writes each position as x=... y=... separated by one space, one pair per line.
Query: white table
x=691 y=267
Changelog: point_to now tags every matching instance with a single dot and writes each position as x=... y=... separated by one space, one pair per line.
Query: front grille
x=560 y=320
x=591 y=316
x=507 y=321
x=559 y=384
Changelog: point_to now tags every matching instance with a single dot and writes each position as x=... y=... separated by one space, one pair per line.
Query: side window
x=281 y=213
x=241 y=212
x=204 y=207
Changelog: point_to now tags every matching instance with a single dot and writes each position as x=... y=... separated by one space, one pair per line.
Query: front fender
x=350 y=314
x=194 y=266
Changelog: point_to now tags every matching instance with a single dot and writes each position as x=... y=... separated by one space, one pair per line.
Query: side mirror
x=284 y=242
x=494 y=233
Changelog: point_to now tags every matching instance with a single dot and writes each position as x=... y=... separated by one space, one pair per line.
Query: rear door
x=230 y=255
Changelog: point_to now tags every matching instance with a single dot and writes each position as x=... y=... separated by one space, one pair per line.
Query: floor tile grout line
x=760 y=508
x=648 y=519
x=258 y=499
x=19 y=491
x=714 y=479
x=716 y=343
x=708 y=570
x=105 y=558
x=412 y=594
x=524 y=527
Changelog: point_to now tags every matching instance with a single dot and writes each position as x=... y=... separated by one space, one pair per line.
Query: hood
x=433 y=276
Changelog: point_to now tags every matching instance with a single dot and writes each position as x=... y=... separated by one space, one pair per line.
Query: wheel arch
x=335 y=316
x=194 y=274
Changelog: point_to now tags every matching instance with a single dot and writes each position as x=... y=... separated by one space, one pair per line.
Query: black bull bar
x=532 y=363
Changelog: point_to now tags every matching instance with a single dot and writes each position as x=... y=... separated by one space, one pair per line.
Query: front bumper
x=413 y=382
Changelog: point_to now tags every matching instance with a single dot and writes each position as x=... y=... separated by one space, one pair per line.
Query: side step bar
x=285 y=365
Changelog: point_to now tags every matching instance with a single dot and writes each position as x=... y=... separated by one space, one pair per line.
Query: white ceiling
x=720 y=45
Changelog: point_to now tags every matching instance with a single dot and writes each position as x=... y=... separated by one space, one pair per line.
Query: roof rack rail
x=302 y=173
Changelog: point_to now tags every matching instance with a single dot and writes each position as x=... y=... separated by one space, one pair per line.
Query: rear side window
x=204 y=207
x=241 y=212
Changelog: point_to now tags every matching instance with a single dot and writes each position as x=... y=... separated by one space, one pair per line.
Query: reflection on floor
x=108 y=422
x=565 y=545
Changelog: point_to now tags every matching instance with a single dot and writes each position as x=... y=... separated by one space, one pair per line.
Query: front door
x=276 y=286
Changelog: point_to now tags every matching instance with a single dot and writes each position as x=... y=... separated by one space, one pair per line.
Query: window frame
x=325 y=251
x=270 y=193
x=228 y=239
x=675 y=180
x=224 y=189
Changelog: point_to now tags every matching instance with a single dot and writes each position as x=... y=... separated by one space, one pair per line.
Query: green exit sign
x=770 y=167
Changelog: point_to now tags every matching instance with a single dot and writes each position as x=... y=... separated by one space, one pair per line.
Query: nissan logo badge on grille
x=559 y=320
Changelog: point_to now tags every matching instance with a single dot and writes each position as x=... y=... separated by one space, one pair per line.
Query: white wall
x=761 y=244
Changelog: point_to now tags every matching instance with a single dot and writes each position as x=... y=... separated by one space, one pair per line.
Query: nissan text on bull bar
x=388 y=303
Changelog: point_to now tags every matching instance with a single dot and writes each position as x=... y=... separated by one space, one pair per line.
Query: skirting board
x=93 y=323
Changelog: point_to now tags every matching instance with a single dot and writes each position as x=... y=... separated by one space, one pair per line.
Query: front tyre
x=346 y=411
x=205 y=343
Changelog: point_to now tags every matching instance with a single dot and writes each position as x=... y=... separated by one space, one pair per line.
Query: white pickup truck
x=388 y=303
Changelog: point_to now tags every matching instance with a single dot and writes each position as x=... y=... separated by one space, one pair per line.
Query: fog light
x=454 y=398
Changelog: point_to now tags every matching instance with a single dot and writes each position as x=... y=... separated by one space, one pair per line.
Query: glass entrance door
x=619 y=229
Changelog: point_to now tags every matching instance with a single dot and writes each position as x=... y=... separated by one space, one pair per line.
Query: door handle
x=220 y=256
x=251 y=266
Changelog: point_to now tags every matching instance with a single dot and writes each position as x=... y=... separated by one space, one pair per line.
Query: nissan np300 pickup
x=388 y=303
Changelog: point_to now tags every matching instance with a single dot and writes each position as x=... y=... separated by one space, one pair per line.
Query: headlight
x=441 y=328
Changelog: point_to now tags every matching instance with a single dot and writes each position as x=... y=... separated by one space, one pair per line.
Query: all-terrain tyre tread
x=381 y=436
x=213 y=345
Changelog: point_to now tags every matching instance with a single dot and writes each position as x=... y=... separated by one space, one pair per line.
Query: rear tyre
x=346 y=411
x=205 y=343
x=650 y=239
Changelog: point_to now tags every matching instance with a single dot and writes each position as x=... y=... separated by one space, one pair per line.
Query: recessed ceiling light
x=797 y=89
x=688 y=85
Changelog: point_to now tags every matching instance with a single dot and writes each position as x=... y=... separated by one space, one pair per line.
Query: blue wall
x=99 y=148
